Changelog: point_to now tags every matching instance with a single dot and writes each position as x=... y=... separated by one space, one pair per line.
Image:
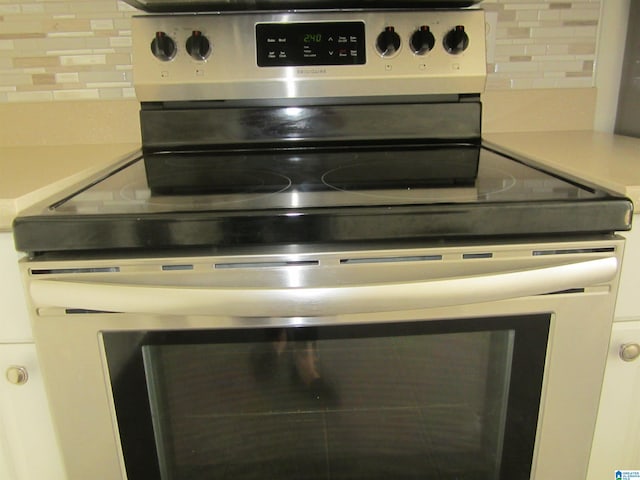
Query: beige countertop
x=610 y=161
x=31 y=174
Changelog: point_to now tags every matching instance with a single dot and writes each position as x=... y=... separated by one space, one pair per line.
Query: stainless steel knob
x=629 y=352
x=17 y=375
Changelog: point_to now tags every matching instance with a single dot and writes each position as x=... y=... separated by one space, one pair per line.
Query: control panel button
x=198 y=46
x=422 y=40
x=456 y=40
x=163 y=47
x=388 y=42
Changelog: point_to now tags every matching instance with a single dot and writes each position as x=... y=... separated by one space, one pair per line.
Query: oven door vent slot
x=171 y=268
x=572 y=251
x=60 y=271
x=423 y=258
x=301 y=263
x=84 y=311
x=568 y=291
x=474 y=256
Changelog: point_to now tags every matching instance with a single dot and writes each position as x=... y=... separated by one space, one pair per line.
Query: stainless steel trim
x=319 y=301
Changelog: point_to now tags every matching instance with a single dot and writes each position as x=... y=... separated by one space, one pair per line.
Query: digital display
x=310 y=44
x=313 y=38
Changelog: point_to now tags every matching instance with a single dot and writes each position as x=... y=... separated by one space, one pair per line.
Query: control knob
x=388 y=42
x=198 y=46
x=422 y=40
x=163 y=47
x=456 y=40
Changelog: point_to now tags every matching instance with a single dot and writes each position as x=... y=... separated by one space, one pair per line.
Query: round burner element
x=206 y=180
x=411 y=172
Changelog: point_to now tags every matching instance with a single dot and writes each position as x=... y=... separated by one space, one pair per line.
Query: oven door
x=465 y=363
x=409 y=400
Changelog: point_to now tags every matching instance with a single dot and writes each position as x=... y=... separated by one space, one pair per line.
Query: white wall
x=611 y=40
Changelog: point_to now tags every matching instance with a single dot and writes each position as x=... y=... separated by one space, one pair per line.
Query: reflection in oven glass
x=298 y=406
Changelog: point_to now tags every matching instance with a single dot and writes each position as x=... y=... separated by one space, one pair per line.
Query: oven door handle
x=319 y=301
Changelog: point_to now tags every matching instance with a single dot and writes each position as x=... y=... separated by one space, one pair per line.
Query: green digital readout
x=312 y=38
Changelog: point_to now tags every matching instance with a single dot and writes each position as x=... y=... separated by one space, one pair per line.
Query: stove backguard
x=179 y=126
x=379 y=131
x=314 y=80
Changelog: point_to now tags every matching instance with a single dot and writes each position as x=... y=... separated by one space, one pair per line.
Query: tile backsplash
x=543 y=44
x=81 y=49
x=65 y=50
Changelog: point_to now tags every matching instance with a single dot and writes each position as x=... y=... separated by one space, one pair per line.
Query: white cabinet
x=28 y=448
x=628 y=304
x=15 y=325
x=616 y=444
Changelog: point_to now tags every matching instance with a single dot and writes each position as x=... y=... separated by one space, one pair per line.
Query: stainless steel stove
x=287 y=127
x=314 y=269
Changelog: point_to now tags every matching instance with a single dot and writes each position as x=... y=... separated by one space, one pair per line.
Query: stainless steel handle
x=18 y=375
x=629 y=352
x=319 y=301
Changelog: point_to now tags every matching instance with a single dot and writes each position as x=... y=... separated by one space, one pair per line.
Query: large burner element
x=318 y=197
x=310 y=55
x=223 y=172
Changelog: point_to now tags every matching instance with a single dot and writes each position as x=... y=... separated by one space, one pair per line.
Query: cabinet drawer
x=628 y=304
x=28 y=448
x=616 y=443
x=15 y=325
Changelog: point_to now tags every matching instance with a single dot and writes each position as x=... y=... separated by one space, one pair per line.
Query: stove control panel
x=275 y=55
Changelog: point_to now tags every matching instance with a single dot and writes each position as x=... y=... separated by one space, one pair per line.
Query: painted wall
x=81 y=49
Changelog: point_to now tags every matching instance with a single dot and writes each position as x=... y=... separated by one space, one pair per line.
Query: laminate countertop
x=32 y=174
x=609 y=161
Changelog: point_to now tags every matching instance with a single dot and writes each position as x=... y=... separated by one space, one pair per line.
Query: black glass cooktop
x=293 y=196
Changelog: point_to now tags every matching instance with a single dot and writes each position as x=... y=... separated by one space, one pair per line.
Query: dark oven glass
x=418 y=400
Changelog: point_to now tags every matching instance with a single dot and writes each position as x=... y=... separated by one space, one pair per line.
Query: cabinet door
x=28 y=449
x=616 y=443
x=628 y=304
x=14 y=321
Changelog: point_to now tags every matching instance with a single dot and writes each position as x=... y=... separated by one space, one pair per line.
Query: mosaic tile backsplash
x=81 y=49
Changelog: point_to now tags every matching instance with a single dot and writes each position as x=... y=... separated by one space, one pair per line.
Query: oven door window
x=439 y=399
